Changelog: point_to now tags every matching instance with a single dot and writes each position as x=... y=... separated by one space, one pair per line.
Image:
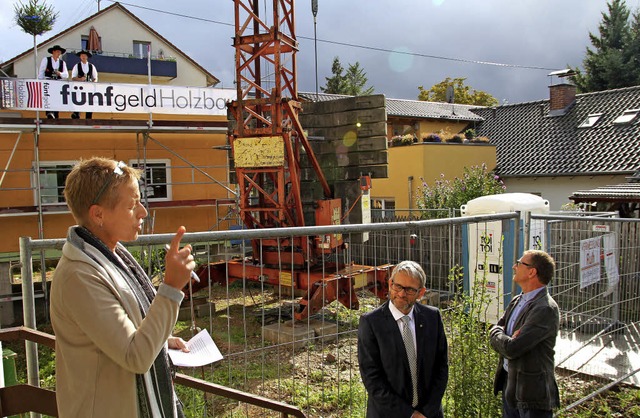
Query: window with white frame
x=627 y=117
x=590 y=120
x=52 y=176
x=141 y=49
x=383 y=207
x=156 y=178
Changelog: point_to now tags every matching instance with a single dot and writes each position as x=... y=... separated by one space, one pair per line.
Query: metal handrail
x=19 y=399
x=31 y=396
x=208 y=387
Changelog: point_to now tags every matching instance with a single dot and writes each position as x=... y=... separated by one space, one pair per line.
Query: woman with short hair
x=112 y=328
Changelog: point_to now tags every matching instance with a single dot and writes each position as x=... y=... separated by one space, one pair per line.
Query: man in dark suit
x=391 y=335
x=525 y=338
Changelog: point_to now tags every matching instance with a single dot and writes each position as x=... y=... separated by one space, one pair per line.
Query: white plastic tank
x=488 y=250
x=505 y=202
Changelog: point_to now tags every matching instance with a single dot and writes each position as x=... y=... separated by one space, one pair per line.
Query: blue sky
x=435 y=38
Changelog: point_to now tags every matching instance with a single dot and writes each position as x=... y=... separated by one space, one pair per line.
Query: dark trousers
x=76 y=115
x=508 y=412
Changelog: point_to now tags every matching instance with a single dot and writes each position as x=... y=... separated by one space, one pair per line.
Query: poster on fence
x=609 y=248
x=536 y=232
x=589 y=261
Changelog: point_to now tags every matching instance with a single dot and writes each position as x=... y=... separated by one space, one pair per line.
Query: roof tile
x=547 y=145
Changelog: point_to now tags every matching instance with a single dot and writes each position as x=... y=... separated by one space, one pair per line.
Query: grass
x=323 y=378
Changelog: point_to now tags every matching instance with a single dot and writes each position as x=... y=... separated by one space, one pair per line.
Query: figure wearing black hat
x=53 y=68
x=84 y=71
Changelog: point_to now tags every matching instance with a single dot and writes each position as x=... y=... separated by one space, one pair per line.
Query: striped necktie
x=407 y=338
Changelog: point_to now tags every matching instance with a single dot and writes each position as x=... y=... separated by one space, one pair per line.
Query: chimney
x=561 y=96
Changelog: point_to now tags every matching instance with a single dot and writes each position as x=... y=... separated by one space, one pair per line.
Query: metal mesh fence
x=597 y=287
x=312 y=363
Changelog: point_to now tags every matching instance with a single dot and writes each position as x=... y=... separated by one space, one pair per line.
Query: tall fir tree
x=633 y=47
x=351 y=83
x=337 y=83
x=356 y=80
x=610 y=64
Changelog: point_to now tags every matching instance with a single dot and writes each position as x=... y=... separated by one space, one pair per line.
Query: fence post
x=526 y=231
x=517 y=236
x=29 y=309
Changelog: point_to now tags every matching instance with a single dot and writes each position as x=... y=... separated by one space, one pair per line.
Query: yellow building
x=409 y=165
x=182 y=154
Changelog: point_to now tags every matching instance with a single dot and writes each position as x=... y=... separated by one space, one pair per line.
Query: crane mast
x=267 y=143
x=267 y=139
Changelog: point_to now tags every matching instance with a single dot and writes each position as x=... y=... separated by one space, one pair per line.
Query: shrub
x=572 y=207
x=400 y=140
x=480 y=139
x=470 y=133
x=476 y=181
x=455 y=139
x=472 y=361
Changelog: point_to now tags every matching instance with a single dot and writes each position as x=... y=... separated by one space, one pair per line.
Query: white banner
x=610 y=260
x=59 y=95
x=589 y=261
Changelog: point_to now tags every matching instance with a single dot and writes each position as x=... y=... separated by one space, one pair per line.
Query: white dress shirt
x=85 y=70
x=64 y=72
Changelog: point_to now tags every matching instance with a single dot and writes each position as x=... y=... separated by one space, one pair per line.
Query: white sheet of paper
x=202 y=350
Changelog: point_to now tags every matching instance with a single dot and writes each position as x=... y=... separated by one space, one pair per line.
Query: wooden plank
x=333 y=174
x=351 y=133
x=343 y=105
x=350 y=159
x=361 y=144
x=346 y=118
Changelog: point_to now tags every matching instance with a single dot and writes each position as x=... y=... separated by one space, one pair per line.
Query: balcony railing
x=19 y=399
x=122 y=63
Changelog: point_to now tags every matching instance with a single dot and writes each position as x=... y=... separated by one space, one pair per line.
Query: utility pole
x=314 y=10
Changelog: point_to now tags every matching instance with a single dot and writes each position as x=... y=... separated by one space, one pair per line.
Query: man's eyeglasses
x=117 y=172
x=410 y=291
x=518 y=262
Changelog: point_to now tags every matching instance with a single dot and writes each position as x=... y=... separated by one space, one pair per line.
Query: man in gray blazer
x=525 y=338
x=402 y=351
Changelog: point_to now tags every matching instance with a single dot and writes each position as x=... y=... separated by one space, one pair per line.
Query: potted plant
x=432 y=137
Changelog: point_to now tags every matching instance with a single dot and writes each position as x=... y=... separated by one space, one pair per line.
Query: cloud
x=543 y=33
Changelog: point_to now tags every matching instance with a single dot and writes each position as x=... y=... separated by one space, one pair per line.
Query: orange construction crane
x=267 y=141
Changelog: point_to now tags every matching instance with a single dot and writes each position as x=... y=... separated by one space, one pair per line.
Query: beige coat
x=102 y=341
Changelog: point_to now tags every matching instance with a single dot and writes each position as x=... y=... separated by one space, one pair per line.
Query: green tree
x=35 y=18
x=611 y=63
x=352 y=82
x=337 y=83
x=463 y=94
x=476 y=181
x=633 y=46
x=356 y=79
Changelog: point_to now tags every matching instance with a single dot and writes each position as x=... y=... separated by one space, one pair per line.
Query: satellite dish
x=449 y=94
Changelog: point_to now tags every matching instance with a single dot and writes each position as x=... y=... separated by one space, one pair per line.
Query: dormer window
x=591 y=120
x=627 y=117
